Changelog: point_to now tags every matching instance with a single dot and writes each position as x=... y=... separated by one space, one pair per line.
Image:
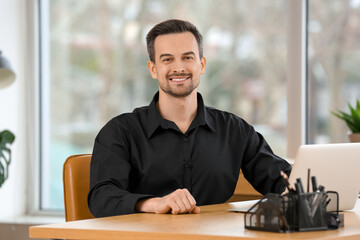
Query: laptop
x=336 y=167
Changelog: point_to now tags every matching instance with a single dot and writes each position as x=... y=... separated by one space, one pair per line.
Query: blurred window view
x=333 y=67
x=97 y=68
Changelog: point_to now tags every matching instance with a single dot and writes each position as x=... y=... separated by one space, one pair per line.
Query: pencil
x=308 y=180
x=285 y=177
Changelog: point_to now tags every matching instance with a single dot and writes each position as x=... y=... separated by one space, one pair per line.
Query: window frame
x=296 y=75
x=32 y=106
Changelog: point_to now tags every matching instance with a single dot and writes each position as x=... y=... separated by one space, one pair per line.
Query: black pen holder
x=288 y=213
x=311 y=211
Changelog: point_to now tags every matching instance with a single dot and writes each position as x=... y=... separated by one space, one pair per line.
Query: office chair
x=76 y=182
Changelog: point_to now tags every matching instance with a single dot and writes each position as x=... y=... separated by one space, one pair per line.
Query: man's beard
x=183 y=92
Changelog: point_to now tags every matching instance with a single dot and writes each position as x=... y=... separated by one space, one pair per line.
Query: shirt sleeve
x=109 y=173
x=261 y=167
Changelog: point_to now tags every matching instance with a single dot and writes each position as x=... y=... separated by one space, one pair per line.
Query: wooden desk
x=214 y=222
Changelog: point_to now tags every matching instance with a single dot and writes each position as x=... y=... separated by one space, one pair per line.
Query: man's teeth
x=177 y=79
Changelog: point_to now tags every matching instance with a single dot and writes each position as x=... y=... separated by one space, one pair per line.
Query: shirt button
x=187 y=165
x=185 y=139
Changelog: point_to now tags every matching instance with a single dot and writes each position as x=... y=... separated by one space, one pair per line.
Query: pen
x=301 y=188
x=317 y=199
x=286 y=180
x=305 y=211
x=308 y=180
x=327 y=202
x=314 y=183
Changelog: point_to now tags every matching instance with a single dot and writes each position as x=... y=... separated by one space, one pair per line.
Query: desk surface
x=214 y=222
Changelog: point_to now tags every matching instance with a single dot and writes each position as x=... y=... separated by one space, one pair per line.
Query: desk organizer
x=293 y=212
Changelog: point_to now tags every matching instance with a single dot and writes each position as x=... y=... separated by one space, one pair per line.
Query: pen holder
x=272 y=213
x=311 y=211
x=288 y=213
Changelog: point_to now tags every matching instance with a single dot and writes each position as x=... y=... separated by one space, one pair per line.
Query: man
x=177 y=154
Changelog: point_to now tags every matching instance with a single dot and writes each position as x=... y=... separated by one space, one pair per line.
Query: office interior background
x=282 y=65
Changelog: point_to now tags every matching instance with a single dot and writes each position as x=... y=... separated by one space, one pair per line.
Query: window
x=333 y=66
x=94 y=68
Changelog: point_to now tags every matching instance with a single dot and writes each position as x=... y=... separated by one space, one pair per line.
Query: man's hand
x=179 y=201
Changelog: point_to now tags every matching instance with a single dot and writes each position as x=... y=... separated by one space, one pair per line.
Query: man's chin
x=181 y=93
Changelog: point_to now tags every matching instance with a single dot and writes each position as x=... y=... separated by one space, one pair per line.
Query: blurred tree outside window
x=333 y=66
x=98 y=69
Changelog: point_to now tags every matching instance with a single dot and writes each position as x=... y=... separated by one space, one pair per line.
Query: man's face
x=177 y=65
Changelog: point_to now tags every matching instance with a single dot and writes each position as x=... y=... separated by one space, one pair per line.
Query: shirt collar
x=202 y=116
x=155 y=120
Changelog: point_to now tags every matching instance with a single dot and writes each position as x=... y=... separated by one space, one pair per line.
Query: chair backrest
x=76 y=182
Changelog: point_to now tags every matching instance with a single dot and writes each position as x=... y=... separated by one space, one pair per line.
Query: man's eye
x=189 y=58
x=166 y=59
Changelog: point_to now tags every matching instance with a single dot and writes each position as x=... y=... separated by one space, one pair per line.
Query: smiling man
x=177 y=153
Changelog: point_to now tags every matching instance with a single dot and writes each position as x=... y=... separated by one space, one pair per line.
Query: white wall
x=12 y=106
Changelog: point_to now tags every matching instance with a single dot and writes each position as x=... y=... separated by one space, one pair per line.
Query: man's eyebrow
x=165 y=55
x=170 y=55
x=189 y=53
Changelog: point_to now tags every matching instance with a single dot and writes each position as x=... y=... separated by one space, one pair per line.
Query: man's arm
x=110 y=177
x=179 y=201
x=109 y=173
x=261 y=167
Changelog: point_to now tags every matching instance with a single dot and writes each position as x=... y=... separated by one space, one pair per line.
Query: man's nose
x=178 y=67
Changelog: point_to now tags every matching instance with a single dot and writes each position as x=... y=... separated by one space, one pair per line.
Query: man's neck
x=181 y=110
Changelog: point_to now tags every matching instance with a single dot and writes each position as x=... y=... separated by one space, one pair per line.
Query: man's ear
x=203 y=65
x=152 y=69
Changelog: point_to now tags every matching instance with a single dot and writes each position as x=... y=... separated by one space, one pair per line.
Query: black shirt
x=140 y=154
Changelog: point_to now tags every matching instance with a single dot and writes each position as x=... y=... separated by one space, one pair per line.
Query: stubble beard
x=182 y=92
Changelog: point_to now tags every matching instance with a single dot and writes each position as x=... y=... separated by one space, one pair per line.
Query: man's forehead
x=176 y=43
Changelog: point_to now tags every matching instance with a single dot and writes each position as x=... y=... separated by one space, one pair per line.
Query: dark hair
x=172 y=26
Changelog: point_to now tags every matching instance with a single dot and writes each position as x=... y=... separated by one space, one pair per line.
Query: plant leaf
x=344 y=116
x=2 y=174
x=356 y=118
x=347 y=118
x=6 y=138
x=352 y=120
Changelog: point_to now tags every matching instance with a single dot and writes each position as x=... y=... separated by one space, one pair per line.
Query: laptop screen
x=336 y=167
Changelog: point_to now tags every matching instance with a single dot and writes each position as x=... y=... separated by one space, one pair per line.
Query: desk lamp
x=7 y=75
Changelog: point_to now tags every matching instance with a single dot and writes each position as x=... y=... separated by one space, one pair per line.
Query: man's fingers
x=183 y=206
x=179 y=201
x=196 y=210
x=175 y=209
x=191 y=203
x=190 y=199
x=187 y=200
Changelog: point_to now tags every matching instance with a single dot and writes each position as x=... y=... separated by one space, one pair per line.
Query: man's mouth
x=179 y=78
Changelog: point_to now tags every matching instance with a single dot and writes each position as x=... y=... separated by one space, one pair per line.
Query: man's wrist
x=146 y=205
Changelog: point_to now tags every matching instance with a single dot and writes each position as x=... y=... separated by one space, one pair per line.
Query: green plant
x=6 y=138
x=352 y=120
